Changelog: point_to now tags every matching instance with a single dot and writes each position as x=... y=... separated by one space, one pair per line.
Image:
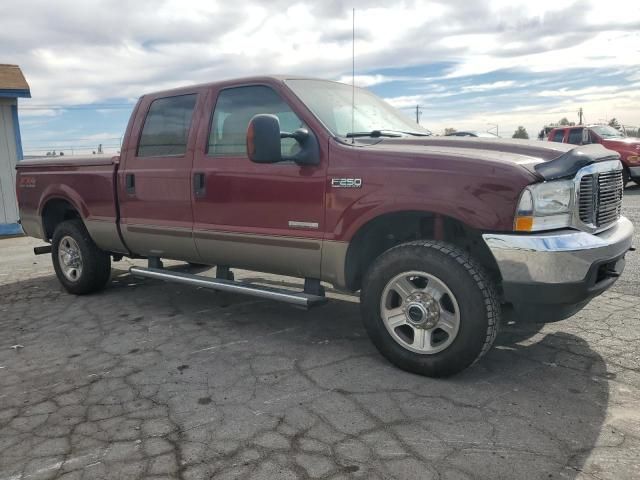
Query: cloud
x=99 y=51
x=485 y=87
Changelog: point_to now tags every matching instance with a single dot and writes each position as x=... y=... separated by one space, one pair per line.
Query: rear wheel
x=81 y=267
x=429 y=308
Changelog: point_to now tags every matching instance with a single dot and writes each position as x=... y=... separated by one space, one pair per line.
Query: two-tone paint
x=280 y=218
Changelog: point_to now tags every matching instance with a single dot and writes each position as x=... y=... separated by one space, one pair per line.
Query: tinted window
x=166 y=127
x=558 y=135
x=234 y=109
x=575 y=136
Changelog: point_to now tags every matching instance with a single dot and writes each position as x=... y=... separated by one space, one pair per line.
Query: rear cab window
x=575 y=136
x=166 y=126
x=233 y=110
x=558 y=135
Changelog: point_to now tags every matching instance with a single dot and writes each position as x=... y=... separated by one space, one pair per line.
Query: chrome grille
x=599 y=201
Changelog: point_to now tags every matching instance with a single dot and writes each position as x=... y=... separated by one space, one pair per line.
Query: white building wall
x=8 y=158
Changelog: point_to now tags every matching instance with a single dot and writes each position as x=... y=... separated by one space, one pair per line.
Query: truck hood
x=547 y=160
x=627 y=143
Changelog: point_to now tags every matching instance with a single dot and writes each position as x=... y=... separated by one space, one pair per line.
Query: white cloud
x=91 y=51
x=485 y=87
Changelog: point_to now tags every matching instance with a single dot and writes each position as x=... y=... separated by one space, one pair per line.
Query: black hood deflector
x=568 y=164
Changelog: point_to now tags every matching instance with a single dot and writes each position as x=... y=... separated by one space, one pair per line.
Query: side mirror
x=263 y=142
x=263 y=139
x=585 y=136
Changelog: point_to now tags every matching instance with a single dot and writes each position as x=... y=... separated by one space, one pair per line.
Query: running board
x=299 y=299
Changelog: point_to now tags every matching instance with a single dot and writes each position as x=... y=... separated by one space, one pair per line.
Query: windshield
x=331 y=102
x=606 y=131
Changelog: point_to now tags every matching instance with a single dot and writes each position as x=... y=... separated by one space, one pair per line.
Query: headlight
x=544 y=206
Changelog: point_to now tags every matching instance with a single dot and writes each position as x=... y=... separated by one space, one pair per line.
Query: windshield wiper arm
x=386 y=133
x=414 y=134
x=373 y=134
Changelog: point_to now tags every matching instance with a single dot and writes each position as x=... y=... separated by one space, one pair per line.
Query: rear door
x=154 y=182
x=264 y=217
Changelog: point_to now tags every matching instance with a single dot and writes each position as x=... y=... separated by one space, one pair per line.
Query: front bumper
x=560 y=268
x=634 y=172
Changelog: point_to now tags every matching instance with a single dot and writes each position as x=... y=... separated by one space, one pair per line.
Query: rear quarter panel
x=88 y=187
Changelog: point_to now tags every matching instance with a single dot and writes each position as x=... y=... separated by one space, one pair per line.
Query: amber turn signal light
x=523 y=224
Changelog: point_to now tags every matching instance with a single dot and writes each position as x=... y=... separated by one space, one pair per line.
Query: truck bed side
x=53 y=190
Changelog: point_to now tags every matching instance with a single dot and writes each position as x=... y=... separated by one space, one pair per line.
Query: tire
x=626 y=177
x=459 y=322
x=92 y=266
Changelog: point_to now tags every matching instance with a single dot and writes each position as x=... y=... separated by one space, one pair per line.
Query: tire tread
x=473 y=268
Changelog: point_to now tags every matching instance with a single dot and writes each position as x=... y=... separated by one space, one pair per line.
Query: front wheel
x=81 y=267
x=429 y=308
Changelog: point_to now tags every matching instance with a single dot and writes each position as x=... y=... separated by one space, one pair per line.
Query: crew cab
x=313 y=179
x=627 y=147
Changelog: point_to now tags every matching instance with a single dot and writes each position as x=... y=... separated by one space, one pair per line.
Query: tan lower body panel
x=105 y=235
x=156 y=241
x=32 y=225
x=334 y=256
x=293 y=256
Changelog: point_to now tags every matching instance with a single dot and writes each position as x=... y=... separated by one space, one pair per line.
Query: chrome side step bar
x=299 y=299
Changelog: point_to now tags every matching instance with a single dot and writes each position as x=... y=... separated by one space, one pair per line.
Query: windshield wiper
x=414 y=134
x=373 y=134
x=385 y=133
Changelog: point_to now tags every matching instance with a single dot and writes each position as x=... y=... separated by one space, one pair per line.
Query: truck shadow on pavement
x=153 y=378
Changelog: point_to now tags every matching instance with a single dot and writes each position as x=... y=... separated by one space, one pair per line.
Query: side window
x=575 y=136
x=234 y=109
x=558 y=136
x=166 y=127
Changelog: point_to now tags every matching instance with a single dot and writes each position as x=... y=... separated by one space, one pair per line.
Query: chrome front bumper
x=566 y=266
x=634 y=172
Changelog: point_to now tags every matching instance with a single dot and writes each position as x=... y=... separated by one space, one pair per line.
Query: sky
x=467 y=64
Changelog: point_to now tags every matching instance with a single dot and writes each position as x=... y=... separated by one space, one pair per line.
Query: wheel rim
x=70 y=258
x=420 y=312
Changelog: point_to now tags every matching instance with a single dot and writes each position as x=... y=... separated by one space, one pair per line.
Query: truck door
x=154 y=181
x=264 y=217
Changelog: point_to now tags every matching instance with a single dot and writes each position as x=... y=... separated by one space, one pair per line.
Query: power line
x=70 y=147
x=94 y=106
x=86 y=139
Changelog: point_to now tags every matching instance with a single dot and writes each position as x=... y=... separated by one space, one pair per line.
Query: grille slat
x=606 y=188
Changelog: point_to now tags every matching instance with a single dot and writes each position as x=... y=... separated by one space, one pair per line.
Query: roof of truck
x=238 y=81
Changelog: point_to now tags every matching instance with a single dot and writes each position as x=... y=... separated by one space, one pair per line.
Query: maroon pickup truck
x=283 y=175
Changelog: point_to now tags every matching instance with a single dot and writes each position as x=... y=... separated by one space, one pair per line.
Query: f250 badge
x=346 y=182
x=27 y=182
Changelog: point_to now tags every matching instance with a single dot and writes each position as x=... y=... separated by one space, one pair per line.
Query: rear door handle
x=130 y=183
x=199 y=184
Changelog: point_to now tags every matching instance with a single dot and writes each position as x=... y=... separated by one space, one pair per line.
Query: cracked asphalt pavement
x=154 y=380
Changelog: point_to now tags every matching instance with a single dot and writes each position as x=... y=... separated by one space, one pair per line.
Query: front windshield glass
x=606 y=131
x=331 y=102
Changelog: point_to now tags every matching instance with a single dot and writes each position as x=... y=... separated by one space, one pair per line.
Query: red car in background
x=609 y=137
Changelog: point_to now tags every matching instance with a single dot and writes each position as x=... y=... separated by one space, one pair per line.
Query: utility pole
x=580 y=116
x=418 y=111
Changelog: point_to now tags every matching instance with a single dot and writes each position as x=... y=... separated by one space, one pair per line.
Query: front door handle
x=130 y=183
x=199 y=184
